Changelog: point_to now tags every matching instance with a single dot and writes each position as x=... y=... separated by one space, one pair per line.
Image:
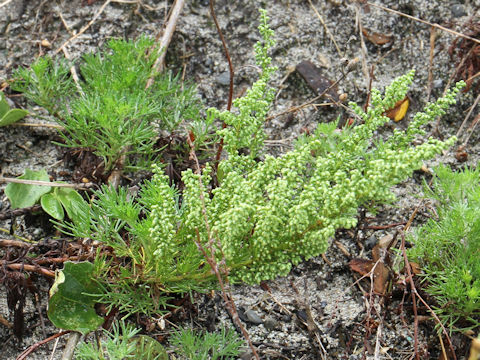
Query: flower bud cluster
x=266 y=216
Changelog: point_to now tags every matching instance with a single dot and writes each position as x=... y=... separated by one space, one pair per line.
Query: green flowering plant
x=264 y=216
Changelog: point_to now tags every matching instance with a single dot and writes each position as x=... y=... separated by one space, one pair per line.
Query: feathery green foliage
x=264 y=216
x=121 y=343
x=46 y=83
x=206 y=346
x=448 y=247
x=111 y=112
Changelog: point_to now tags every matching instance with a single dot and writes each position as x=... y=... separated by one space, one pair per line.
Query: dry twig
x=363 y=50
x=45 y=183
x=6 y=2
x=32 y=348
x=310 y=324
x=53 y=126
x=5 y=322
x=219 y=270
x=14 y=243
x=433 y=36
x=424 y=22
x=85 y=28
x=26 y=267
x=325 y=27
x=230 y=90
x=165 y=41
x=467 y=116
x=416 y=295
x=70 y=346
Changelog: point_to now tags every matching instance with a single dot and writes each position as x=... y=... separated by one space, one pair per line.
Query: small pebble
x=370 y=242
x=37 y=232
x=223 y=78
x=321 y=285
x=302 y=315
x=458 y=10
x=209 y=63
x=438 y=83
x=241 y=314
x=270 y=323
x=253 y=317
x=247 y=355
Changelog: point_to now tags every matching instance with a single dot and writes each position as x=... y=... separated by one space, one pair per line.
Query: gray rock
x=458 y=10
x=223 y=78
x=253 y=317
x=437 y=84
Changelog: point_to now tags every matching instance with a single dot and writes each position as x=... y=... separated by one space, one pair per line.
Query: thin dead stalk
x=220 y=270
x=6 y=2
x=26 y=267
x=14 y=243
x=424 y=22
x=325 y=27
x=72 y=342
x=159 y=64
x=414 y=300
x=311 y=325
x=363 y=49
x=44 y=183
x=227 y=54
x=5 y=322
x=472 y=128
x=416 y=295
x=52 y=126
x=433 y=37
x=467 y=116
x=32 y=348
x=86 y=27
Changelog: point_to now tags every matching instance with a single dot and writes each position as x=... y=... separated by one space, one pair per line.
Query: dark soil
x=347 y=321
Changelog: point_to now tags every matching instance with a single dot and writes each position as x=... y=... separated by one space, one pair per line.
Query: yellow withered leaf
x=399 y=110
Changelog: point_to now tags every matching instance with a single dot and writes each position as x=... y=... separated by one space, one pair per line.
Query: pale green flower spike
x=265 y=215
x=269 y=215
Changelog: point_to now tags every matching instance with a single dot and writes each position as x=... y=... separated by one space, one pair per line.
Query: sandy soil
x=350 y=324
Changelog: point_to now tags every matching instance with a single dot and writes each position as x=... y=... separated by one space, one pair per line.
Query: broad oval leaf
x=70 y=307
x=23 y=195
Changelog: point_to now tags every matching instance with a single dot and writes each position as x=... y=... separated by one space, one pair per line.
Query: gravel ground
x=323 y=32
